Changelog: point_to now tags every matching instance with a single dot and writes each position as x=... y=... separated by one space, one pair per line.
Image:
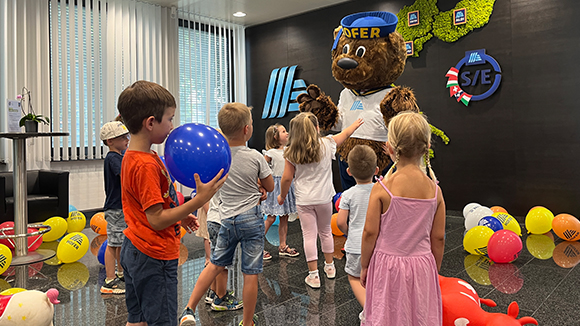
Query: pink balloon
x=180 y=198
x=7 y=242
x=504 y=246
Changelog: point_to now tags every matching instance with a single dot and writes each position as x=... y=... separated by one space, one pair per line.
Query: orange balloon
x=96 y=244
x=183 y=254
x=498 y=209
x=567 y=254
x=567 y=227
x=99 y=224
x=334 y=225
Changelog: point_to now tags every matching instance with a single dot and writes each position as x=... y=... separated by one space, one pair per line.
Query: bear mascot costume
x=368 y=56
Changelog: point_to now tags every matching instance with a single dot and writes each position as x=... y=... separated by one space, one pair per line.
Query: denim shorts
x=150 y=287
x=115 y=227
x=352 y=266
x=248 y=230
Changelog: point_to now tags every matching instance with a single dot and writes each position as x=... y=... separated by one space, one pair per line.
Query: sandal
x=287 y=251
x=267 y=255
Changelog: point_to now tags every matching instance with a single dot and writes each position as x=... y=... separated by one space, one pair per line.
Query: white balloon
x=477 y=214
x=469 y=208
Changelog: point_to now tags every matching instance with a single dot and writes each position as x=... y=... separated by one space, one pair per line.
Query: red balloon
x=33 y=242
x=337 y=203
x=504 y=246
x=180 y=198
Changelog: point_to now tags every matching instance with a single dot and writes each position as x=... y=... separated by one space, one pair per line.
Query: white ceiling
x=258 y=11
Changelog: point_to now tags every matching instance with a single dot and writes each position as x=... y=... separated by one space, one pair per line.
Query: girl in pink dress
x=403 y=238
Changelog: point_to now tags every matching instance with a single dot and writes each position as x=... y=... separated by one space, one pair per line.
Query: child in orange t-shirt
x=150 y=251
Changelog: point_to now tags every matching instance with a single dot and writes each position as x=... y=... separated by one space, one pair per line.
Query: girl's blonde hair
x=273 y=136
x=303 y=140
x=409 y=134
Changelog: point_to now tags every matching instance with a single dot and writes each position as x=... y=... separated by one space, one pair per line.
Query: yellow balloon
x=477 y=267
x=52 y=246
x=476 y=239
x=4 y=285
x=58 y=228
x=12 y=291
x=509 y=222
x=5 y=258
x=76 y=221
x=73 y=276
x=540 y=246
x=72 y=247
x=539 y=220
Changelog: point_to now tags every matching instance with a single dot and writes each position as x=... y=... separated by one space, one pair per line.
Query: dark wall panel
x=518 y=149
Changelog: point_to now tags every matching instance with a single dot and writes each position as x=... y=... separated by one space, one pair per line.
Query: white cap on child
x=113 y=129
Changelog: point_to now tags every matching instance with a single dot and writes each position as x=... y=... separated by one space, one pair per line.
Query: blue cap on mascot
x=367 y=25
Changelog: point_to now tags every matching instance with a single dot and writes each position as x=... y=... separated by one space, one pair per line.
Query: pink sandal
x=287 y=251
x=267 y=255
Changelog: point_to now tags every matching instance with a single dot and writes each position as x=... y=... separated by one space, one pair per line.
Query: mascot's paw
x=399 y=99
x=315 y=101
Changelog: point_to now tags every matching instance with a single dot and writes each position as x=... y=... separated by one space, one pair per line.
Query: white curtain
x=24 y=62
x=97 y=51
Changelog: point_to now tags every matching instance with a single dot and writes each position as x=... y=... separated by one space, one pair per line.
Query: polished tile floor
x=544 y=280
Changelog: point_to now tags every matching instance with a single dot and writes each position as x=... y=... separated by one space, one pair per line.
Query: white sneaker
x=313 y=282
x=330 y=270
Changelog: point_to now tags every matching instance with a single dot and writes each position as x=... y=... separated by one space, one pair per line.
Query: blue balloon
x=276 y=221
x=196 y=148
x=335 y=198
x=170 y=175
x=491 y=222
x=101 y=254
x=273 y=236
x=71 y=208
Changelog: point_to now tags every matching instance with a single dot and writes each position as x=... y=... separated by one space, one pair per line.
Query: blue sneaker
x=187 y=317
x=228 y=302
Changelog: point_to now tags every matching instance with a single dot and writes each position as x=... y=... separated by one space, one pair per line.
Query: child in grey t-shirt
x=362 y=162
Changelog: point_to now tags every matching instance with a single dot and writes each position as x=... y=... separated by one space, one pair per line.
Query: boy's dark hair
x=362 y=162
x=142 y=100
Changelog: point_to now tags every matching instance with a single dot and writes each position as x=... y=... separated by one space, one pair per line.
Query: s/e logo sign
x=473 y=58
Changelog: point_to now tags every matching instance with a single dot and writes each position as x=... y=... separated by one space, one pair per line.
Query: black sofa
x=47 y=195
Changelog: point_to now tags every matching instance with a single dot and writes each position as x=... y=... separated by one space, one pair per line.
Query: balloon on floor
x=58 y=227
x=98 y=223
x=76 y=222
x=72 y=247
x=567 y=227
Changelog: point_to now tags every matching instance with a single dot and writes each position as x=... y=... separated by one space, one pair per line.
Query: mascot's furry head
x=367 y=52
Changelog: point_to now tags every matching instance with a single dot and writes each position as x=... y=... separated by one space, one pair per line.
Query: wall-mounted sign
x=459 y=16
x=282 y=90
x=413 y=18
x=409 y=47
x=468 y=78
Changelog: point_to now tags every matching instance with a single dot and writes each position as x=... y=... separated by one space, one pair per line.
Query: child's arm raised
x=438 y=231
x=343 y=135
x=160 y=218
x=371 y=230
x=286 y=181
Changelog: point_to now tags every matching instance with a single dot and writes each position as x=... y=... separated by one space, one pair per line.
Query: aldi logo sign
x=459 y=16
x=413 y=18
x=283 y=90
x=482 y=76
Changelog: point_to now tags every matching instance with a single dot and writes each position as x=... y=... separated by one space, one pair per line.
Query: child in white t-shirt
x=362 y=162
x=309 y=161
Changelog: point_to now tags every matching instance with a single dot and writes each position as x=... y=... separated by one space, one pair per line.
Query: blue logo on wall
x=473 y=58
x=459 y=16
x=283 y=90
x=413 y=18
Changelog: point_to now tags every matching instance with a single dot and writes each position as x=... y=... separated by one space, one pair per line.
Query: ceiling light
x=240 y=14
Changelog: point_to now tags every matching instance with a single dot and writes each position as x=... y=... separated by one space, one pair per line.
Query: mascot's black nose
x=347 y=63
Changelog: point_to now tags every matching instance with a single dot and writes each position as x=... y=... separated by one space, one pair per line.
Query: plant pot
x=31 y=126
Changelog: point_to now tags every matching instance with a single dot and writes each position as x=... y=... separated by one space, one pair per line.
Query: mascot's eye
x=345 y=49
x=361 y=51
